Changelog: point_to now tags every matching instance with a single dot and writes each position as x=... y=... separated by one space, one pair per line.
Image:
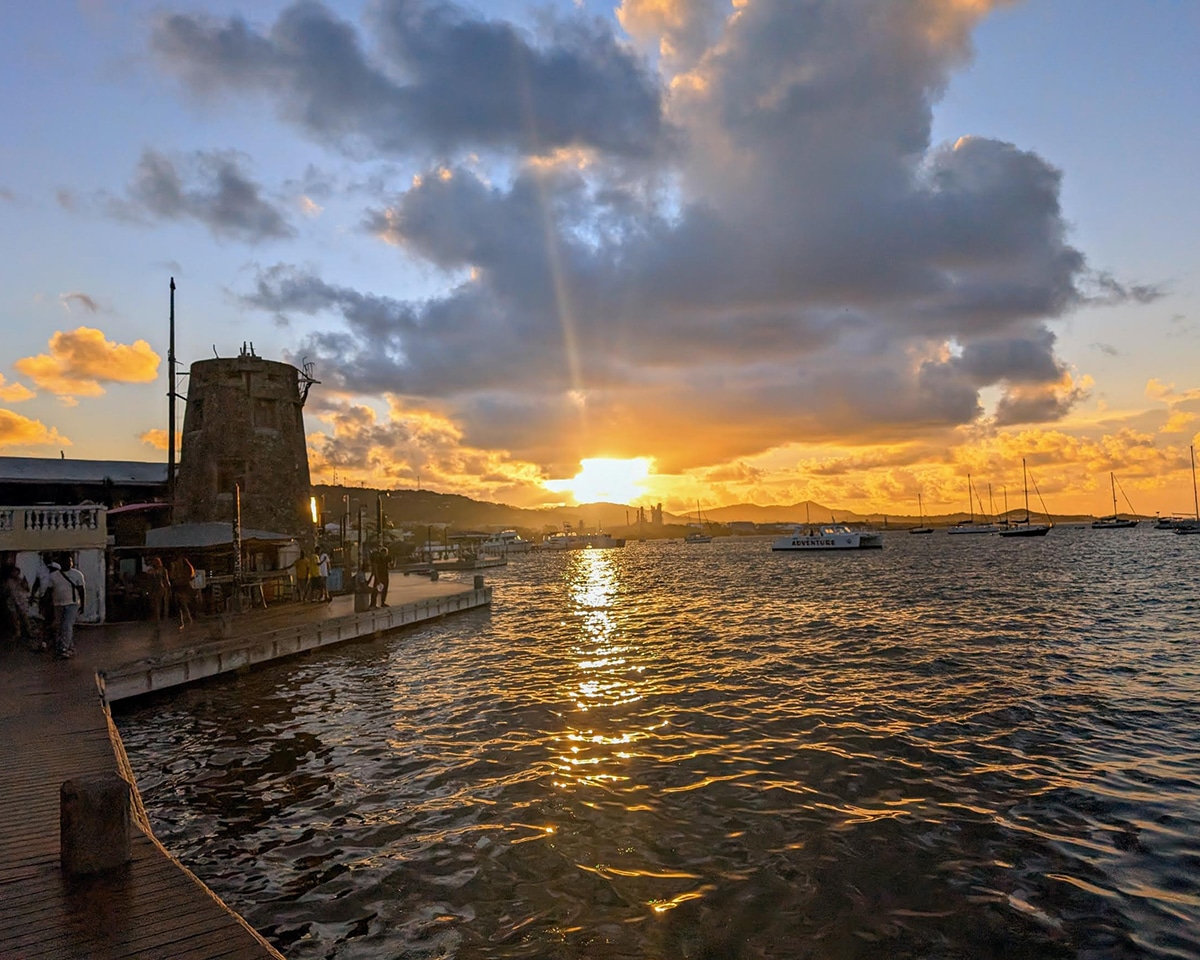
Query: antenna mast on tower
x=171 y=410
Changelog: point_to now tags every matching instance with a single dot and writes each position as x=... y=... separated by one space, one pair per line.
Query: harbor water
x=952 y=747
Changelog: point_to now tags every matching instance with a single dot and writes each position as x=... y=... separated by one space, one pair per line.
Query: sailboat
x=1192 y=526
x=1114 y=522
x=922 y=528
x=1024 y=528
x=971 y=526
x=699 y=536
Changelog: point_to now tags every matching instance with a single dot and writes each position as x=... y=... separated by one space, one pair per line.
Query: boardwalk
x=54 y=726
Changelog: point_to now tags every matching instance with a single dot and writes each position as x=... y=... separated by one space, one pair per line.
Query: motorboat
x=829 y=536
x=504 y=543
x=579 y=541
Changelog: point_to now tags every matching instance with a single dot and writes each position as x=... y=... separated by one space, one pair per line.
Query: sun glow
x=606 y=479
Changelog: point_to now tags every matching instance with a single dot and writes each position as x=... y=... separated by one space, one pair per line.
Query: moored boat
x=1192 y=526
x=972 y=525
x=504 y=543
x=1025 y=527
x=828 y=536
x=1113 y=521
x=579 y=541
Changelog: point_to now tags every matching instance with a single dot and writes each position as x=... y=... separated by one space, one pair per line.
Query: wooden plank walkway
x=55 y=726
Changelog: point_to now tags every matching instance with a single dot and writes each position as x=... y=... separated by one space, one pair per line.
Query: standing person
x=67 y=586
x=181 y=574
x=41 y=600
x=301 y=568
x=323 y=576
x=15 y=607
x=158 y=588
x=314 y=576
x=380 y=560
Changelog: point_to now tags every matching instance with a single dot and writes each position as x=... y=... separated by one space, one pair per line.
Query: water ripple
x=954 y=747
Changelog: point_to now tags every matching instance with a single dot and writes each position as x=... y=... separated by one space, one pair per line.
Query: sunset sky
x=767 y=250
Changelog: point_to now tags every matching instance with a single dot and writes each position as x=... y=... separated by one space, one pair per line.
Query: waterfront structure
x=244 y=428
x=29 y=533
x=112 y=483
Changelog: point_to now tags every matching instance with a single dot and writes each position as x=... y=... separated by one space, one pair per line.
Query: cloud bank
x=724 y=230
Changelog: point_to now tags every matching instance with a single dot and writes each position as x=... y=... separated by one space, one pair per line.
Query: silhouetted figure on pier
x=158 y=589
x=181 y=574
x=380 y=561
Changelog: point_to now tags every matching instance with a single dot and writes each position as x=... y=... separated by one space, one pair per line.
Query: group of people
x=42 y=615
x=373 y=577
x=312 y=577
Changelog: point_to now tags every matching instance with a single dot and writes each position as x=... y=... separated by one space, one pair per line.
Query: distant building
x=244 y=427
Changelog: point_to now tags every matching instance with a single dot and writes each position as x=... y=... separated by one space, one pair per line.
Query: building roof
x=51 y=470
x=211 y=534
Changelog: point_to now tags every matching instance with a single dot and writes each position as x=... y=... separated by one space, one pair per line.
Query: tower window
x=266 y=413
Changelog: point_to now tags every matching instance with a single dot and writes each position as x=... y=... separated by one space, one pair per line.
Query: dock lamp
x=312 y=506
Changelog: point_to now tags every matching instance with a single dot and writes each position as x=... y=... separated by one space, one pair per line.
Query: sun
x=605 y=479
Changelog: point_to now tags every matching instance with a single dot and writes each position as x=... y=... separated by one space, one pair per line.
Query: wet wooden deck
x=55 y=726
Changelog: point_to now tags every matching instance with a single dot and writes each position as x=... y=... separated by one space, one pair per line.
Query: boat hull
x=1113 y=523
x=1030 y=530
x=828 y=538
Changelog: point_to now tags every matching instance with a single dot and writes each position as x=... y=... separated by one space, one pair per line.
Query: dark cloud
x=1041 y=404
x=84 y=300
x=1106 y=348
x=441 y=81
x=206 y=186
x=802 y=265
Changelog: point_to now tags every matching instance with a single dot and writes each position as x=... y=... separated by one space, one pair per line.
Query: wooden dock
x=55 y=726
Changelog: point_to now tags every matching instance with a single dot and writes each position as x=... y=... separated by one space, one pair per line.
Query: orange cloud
x=157 y=438
x=412 y=444
x=19 y=431
x=14 y=392
x=82 y=360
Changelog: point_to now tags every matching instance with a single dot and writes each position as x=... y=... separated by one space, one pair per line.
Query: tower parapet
x=244 y=425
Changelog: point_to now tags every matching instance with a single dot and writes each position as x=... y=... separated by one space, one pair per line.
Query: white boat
x=1024 y=527
x=579 y=541
x=1113 y=521
x=504 y=543
x=972 y=525
x=699 y=536
x=1192 y=526
x=828 y=536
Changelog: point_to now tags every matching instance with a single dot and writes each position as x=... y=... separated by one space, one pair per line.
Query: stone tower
x=244 y=425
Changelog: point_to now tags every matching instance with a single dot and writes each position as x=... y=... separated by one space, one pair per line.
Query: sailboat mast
x=1195 y=496
x=970 y=498
x=1025 y=480
x=1113 y=482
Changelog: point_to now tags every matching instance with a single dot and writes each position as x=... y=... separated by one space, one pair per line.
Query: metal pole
x=171 y=410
